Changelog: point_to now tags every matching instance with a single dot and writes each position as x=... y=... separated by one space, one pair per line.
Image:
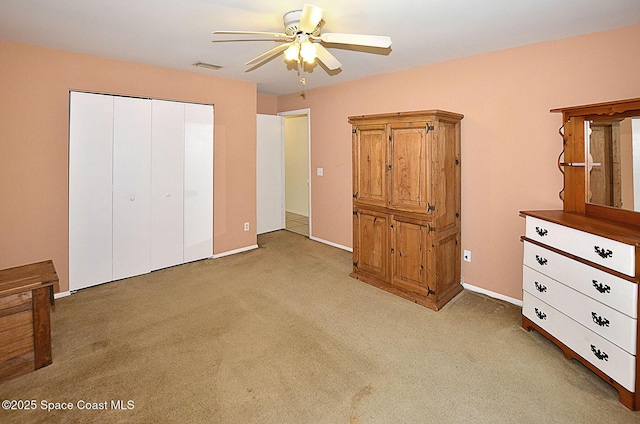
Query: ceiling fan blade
x=264 y=34
x=270 y=53
x=357 y=39
x=310 y=18
x=327 y=58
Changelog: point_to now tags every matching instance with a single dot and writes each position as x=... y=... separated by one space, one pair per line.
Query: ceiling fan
x=303 y=39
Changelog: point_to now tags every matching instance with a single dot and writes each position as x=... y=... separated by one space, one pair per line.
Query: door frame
x=307 y=112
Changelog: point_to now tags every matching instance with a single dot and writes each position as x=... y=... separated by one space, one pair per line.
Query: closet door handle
x=133 y=199
x=168 y=195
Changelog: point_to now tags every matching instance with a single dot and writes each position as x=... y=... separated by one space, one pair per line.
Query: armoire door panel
x=90 y=196
x=410 y=253
x=370 y=157
x=373 y=243
x=131 y=186
x=409 y=163
x=167 y=178
x=198 y=182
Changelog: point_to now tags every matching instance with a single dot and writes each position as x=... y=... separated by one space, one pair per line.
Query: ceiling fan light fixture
x=308 y=51
x=292 y=52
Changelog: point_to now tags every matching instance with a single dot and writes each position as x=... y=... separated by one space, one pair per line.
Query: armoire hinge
x=355 y=264
x=354 y=131
x=355 y=213
x=355 y=195
x=429 y=127
x=430 y=207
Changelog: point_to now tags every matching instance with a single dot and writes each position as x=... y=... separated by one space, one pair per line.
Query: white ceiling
x=177 y=33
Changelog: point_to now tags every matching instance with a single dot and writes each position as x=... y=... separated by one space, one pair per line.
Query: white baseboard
x=492 y=294
x=330 y=243
x=62 y=294
x=233 y=252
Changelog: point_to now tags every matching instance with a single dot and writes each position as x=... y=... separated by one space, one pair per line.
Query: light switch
x=320 y=172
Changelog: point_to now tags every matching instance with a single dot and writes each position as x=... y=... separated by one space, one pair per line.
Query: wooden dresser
x=406 y=204
x=26 y=296
x=580 y=290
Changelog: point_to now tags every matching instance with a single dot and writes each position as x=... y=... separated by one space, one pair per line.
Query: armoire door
x=90 y=195
x=167 y=183
x=371 y=243
x=410 y=257
x=410 y=163
x=198 y=181
x=131 y=186
x=370 y=164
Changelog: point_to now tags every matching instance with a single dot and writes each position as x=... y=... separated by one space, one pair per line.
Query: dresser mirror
x=599 y=160
x=612 y=148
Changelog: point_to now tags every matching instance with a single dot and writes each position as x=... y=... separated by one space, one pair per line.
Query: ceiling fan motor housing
x=292 y=23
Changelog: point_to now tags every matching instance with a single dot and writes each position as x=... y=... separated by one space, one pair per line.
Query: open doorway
x=297 y=176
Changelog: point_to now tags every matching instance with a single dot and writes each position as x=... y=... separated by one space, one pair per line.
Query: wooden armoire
x=406 y=204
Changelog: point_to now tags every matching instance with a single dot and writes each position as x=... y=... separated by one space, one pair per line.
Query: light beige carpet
x=281 y=334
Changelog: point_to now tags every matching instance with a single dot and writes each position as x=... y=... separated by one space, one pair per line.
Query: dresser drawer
x=609 y=358
x=601 y=319
x=601 y=250
x=618 y=293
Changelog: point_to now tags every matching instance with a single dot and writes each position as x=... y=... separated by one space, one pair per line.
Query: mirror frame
x=573 y=119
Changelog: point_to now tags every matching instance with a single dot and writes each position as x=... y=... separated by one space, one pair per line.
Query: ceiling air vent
x=207 y=65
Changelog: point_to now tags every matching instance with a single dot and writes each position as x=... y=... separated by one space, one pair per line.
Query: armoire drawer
x=600 y=250
x=616 y=292
x=614 y=326
x=609 y=358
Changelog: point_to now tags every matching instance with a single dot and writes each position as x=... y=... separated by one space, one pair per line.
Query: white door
x=90 y=197
x=270 y=174
x=167 y=172
x=198 y=181
x=131 y=186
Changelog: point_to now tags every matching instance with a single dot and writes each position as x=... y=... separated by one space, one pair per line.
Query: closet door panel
x=198 y=182
x=90 y=197
x=167 y=170
x=131 y=186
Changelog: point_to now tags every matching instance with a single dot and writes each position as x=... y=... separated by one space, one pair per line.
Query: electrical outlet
x=467 y=255
x=246 y=226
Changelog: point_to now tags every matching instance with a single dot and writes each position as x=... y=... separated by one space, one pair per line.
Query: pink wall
x=510 y=141
x=267 y=105
x=34 y=91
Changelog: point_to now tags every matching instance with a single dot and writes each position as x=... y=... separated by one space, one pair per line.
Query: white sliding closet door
x=90 y=200
x=167 y=182
x=131 y=186
x=140 y=186
x=198 y=182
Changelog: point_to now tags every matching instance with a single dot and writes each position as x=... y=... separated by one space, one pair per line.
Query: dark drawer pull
x=541 y=231
x=541 y=260
x=540 y=314
x=540 y=287
x=603 y=253
x=602 y=288
x=598 y=354
x=602 y=322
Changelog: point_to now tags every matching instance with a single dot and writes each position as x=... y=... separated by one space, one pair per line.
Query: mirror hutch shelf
x=581 y=266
